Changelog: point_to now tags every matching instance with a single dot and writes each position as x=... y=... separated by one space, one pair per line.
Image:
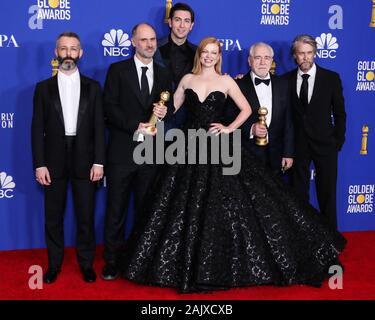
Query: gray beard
x=68 y=65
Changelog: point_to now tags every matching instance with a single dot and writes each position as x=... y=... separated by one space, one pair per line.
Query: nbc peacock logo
x=116 y=43
x=7 y=186
x=327 y=46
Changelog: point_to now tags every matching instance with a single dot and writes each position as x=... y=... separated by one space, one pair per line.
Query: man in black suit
x=68 y=145
x=320 y=123
x=176 y=53
x=130 y=89
x=262 y=89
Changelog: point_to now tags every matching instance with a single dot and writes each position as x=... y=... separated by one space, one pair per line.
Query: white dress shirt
x=70 y=91
x=311 y=81
x=264 y=94
x=149 y=73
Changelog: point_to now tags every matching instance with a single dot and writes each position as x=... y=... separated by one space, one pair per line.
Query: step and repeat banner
x=344 y=30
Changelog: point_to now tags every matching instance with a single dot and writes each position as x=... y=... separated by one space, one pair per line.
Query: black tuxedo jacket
x=123 y=107
x=280 y=131
x=314 y=125
x=163 y=56
x=48 y=131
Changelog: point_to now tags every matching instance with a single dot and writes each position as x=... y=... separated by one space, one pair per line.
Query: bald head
x=144 y=42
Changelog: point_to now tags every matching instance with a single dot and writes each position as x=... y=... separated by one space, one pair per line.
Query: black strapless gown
x=204 y=231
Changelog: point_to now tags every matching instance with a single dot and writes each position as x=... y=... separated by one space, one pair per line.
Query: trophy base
x=151 y=129
x=363 y=152
x=261 y=142
x=372 y=24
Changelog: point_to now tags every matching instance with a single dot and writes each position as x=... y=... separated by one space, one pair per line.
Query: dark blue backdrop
x=26 y=49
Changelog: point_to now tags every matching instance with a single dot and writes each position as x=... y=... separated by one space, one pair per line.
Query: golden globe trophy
x=55 y=66
x=168 y=7
x=164 y=97
x=372 y=22
x=262 y=111
x=273 y=68
x=364 y=140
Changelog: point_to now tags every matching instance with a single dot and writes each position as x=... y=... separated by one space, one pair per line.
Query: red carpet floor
x=358 y=280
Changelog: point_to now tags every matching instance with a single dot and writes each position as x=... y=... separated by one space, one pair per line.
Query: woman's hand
x=218 y=128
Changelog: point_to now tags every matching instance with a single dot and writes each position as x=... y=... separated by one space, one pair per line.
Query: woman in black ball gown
x=204 y=231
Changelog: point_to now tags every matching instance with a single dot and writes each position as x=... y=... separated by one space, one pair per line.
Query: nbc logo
x=365 y=75
x=6 y=186
x=326 y=45
x=116 y=43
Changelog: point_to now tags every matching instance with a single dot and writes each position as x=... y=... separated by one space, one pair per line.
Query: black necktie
x=145 y=89
x=265 y=81
x=304 y=92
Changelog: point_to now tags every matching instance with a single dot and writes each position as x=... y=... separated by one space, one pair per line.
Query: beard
x=67 y=63
x=306 y=66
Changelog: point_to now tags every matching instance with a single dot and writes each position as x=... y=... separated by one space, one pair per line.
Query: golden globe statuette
x=262 y=111
x=164 y=97
x=55 y=66
x=273 y=68
x=372 y=22
x=364 y=140
x=168 y=7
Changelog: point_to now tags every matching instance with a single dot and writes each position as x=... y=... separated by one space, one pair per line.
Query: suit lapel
x=251 y=93
x=55 y=97
x=83 y=100
x=155 y=86
x=297 y=102
x=317 y=85
x=134 y=81
x=275 y=106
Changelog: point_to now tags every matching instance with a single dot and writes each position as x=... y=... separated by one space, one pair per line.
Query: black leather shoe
x=51 y=275
x=110 y=272
x=88 y=274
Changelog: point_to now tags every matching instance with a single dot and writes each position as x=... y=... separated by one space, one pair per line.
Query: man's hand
x=96 y=173
x=286 y=163
x=159 y=110
x=42 y=176
x=239 y=76
x=259 y=130
x=145 y=128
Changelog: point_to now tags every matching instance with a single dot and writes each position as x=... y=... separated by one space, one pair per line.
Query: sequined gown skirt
x=204 y=231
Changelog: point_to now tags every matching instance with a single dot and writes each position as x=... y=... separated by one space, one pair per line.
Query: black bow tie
x=265 y=81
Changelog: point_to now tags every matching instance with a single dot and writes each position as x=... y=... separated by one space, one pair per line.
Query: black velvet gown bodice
x=202 y=114
x=203 y=231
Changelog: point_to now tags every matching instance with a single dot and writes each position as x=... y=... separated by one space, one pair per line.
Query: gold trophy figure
x=168 y=7
x=372 y=22
x=262 y=111
x=273 y=68
x=364 y=140
x=55 y=66
x=164 y=97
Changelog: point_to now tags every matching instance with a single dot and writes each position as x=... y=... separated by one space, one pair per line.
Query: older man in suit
x=263 y=89
x=68 y=145
x=320 y=123
x=130 y=89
